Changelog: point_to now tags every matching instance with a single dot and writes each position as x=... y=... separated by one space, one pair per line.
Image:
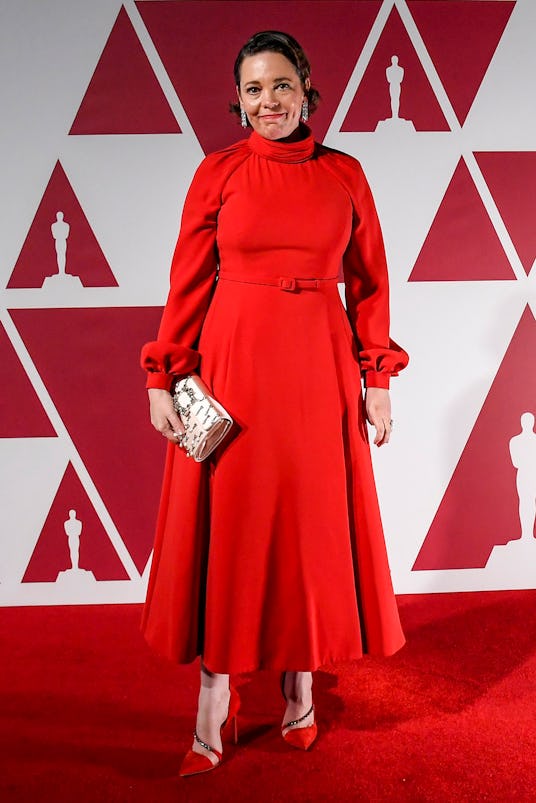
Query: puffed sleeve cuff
x=379 y=365
x=159 y=380
x=375 y=379
x=165 y=361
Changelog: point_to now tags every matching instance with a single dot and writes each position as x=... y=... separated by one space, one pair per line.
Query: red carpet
x=89 y=714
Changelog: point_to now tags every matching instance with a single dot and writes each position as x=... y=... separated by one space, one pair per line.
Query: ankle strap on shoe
x=296 y=721
x=206 y=746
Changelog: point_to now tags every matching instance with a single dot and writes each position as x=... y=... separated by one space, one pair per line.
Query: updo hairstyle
x=277 y=42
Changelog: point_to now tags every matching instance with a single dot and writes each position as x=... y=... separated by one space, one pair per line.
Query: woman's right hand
x=163 y=415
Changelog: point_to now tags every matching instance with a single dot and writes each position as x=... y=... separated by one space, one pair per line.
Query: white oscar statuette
x=395 y=75
x=75 y=576
x=60 y=232
x=519 y=555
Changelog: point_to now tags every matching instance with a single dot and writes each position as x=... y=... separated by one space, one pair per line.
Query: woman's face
x=271 y=94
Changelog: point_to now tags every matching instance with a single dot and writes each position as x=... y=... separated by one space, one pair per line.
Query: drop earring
x=305 y=110
x=243 y=118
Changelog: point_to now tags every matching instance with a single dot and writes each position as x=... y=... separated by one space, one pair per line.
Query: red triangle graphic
x=38 y=258
x=372 y=103
x=52 y=555
x=461 y=37
x=462 y=244
x=480 y=507
x=511 y=178
x=124 y=96
x=21 y=413
x=93 y=377
x=211 y=34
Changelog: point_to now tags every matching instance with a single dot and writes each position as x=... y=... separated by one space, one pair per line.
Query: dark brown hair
x=290 y=48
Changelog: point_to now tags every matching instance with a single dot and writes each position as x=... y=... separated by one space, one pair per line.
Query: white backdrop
x=457 y=203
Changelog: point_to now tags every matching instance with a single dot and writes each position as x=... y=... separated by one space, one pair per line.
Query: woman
x=272 y=555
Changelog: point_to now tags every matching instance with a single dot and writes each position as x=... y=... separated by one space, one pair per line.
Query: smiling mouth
x=272 y=116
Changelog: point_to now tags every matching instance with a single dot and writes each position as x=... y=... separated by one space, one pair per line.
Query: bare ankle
x=298 y=687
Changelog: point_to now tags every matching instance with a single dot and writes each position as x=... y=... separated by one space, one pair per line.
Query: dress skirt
x=271 y=554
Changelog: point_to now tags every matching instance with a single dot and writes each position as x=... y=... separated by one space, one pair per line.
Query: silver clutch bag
x=205 y=421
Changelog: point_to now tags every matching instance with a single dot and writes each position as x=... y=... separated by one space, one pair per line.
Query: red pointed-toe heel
x=196 y=763
x=301 y=738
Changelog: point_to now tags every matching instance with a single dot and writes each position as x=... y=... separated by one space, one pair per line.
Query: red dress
x=271 y=554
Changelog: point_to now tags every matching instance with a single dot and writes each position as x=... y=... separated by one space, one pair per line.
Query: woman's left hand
x=378 y=410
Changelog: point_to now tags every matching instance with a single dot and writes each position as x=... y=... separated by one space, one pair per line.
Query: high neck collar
x=279 y=151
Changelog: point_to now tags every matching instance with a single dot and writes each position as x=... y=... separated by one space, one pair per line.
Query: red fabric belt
x=288 y=283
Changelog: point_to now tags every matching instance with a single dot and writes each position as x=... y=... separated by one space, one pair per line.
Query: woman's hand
x=163 y=415
x=378 y=410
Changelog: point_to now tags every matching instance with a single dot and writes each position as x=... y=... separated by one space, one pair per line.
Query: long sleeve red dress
x=271 y=555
